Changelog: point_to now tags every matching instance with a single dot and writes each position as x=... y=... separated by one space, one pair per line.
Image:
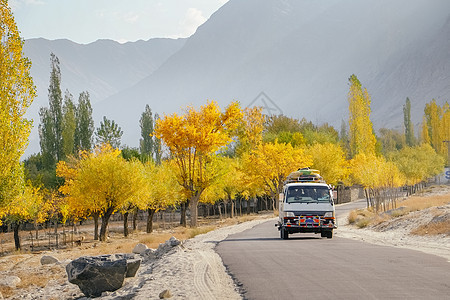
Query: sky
x=85 y=21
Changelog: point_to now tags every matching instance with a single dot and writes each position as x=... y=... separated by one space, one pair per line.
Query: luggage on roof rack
x=305 y=175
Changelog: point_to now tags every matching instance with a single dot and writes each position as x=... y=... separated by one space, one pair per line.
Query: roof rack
x=304 y=175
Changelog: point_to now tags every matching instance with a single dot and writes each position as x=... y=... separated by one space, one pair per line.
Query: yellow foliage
x=362 y=138
x=375 y=172
x=272 y=162
x=330 y=160
x=102 y=181
x=192 y=139
x=417 y=163
x=16 y=95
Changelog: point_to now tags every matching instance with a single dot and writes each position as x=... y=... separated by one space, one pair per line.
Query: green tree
x=146 y=124
x=391 y=140
x=84 y=131
x=109 y=133
x=362 y=138
x=69 y=125
x=157 y=147
x=50 y=129
x=17 y=92
x=343 y=138
x=409 y=128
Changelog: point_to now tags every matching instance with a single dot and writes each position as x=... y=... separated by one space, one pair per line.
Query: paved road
x=308 y=267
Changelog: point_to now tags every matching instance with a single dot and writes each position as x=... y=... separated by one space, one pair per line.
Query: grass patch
x=352 y=217
x=362 y=223
x=415 y=203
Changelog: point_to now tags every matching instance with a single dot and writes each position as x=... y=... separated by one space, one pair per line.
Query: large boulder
x=106 y=273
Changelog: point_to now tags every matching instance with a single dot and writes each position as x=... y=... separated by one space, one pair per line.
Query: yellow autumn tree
x=379 y=178
x=192 y=138
x=164 y=189
x=101 y=183
x=362 y=138
x=250 y=130
x=273 y=162
x=16 y=95
x=27 y=206
x=330 y=160
x=417 y=163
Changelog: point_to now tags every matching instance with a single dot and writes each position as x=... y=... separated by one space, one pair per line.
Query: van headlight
x=289 y=214
x=329 y=214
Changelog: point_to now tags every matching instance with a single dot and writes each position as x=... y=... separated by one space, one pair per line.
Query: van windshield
x=307 y=194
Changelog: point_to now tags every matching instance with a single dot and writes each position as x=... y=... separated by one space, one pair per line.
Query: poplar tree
x=17 y=92
x=362 y=138
x=109 y=133
x=69 y=125
x=84 y=132
x=157 y=152
x=409 y=128
x=146 y=124
x=50 y=129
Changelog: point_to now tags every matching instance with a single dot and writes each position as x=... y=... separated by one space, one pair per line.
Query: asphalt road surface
x=307 y=266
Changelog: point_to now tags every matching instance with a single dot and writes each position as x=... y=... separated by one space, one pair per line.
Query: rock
x=48 y=259
x=9 y=281
x=149 y=254
x=166 y=247
x=140 y=248
x=133 y=263
x=165 y=294
x=105 y=273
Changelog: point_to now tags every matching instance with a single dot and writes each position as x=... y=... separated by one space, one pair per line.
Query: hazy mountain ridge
x=300 y=53
x=102 y=68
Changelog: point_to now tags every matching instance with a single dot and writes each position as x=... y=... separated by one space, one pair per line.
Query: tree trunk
x=105 y=220
x=135 y=217
x=125 y=224
x=193 y=204
x=16 y=226
x=232 y=209
x=183 y=214
x=95 y=216
x=220 y=211
x=151 y=213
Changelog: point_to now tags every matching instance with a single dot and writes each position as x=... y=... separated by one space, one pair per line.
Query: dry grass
x=366 y=217
x=433 y=229
x=416 y=203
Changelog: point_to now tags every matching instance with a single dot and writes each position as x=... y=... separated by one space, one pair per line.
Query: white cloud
x=192 y=20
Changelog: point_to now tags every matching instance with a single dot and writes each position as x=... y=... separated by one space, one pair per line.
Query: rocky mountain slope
x=299 y=55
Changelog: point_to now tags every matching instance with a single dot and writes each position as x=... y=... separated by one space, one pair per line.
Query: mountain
x=295 y=58
x=298 y=55
x=103 y=68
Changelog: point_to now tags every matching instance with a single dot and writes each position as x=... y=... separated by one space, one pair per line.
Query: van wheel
x=323 y=234
x=284 y=234
x=330 y=234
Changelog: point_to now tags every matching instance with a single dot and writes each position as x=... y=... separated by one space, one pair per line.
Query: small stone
x=48 y=259
x=165 y=294
x=140 y=248
x=174 y=242
x=9 y=281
